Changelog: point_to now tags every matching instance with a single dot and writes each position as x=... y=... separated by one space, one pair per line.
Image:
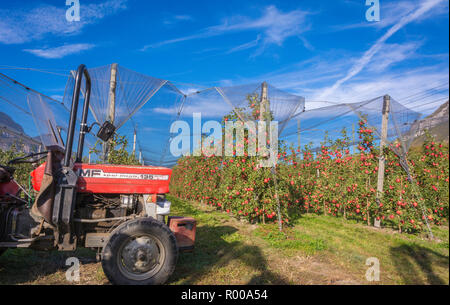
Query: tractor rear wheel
x=140 y=252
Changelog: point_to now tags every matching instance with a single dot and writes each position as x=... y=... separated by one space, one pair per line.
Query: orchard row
x=333 y=182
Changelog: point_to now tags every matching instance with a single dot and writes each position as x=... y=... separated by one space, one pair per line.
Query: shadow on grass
x=214 y=250
x=417 y=265
x=19 y=266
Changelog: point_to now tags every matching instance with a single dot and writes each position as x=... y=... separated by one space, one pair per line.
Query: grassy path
x=315 y=250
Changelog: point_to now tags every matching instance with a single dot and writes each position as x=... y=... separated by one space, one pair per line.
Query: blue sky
x=322 y=50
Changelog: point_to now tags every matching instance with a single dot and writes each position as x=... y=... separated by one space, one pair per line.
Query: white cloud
x=177 y=18
x=391 y=12
x=389 y=15
x=399 y=85
x=275 y=27
x=369 y=54
x=60 y=52
x=386 y=73
x=393 y=53
x=21 y=26
x=245 y=46
x=57 y=97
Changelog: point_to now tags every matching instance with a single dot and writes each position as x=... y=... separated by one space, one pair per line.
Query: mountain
x=6 y=120
x=436 y=124
x=12 y=133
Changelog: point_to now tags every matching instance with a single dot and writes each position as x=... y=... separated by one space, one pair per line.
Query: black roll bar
x=73 y=115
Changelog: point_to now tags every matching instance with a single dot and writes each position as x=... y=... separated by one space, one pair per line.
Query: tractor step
x=184 y=229
x=15 y=244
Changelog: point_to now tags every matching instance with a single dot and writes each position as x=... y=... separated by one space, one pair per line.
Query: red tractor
x=121 y=211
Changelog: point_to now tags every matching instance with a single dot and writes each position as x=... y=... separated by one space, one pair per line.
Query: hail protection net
x=144 y=110
x=117 y=93
x=31 y=121
x=247 y=102
x=44 y=118
x=151 y=125
x=342 y=124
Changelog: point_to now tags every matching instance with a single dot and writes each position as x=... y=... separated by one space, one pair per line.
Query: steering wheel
x=26 y=159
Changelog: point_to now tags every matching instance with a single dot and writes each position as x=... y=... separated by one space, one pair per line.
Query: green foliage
x=117 y=151
x=22 y=172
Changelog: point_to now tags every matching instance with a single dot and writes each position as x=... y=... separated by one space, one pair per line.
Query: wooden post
x=298 y=140
x=112 y=94
x=262 y=111
x=112 y=104
x=265 y=108
x=381 y=158
x=264 y=105
x=353 y=137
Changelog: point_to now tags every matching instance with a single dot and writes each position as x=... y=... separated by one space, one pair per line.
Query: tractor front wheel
x=140 y=252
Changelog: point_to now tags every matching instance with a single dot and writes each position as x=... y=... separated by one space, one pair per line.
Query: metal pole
x=83 y=124
x=134 y=143
x=381 y=158
x=73 y=115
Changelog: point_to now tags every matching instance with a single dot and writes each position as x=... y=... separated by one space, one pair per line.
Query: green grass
x=313 y=250
x=222 y=254
x=404 y=258
x=25 y=266
x=291 y=241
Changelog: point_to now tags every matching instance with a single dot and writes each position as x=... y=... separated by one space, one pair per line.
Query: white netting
x=26 y=130
x=131 y=89
x=322 y=126
x=49 y=130
x=146 y=107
